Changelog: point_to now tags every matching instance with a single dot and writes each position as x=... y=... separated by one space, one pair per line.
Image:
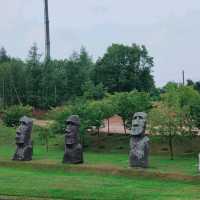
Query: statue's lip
x=135 y=125
x=19 y=142
x=67 y=131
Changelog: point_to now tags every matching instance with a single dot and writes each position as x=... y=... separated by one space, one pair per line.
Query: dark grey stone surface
x=139 y=143
x=73 y=149
x=24 y=149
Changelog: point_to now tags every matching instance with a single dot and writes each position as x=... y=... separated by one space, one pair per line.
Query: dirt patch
x=38 y=113
x=115 y=125
x=42 y=123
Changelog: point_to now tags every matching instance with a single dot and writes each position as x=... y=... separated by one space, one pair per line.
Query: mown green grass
x=186 y=164
x=181 y=164
x=34 y=181
x=82 y=185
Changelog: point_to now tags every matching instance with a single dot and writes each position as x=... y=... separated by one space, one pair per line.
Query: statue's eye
x=71 y=123
x=23 y=123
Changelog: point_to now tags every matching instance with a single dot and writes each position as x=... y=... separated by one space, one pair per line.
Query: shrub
x=12 y=114
x=60 y=116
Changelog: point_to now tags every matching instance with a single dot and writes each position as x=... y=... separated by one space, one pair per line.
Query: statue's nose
x=18 y=132
x=136 y=121
x=67 y=130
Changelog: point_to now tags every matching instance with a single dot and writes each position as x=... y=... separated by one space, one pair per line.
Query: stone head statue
x=139 y=142
x=23 y=133
x=139 y=124
x=73 y=149
x=72 y=129
x=23 y=141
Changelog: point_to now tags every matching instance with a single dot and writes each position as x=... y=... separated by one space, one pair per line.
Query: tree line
x=47 y=84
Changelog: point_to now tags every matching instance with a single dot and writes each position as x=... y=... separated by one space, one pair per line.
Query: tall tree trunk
x=3 y=95
x=82 y=140
x=55 y=95
x=108 y=125
x=171 y=147
x=18 y=98
x=47 y=142
x=124 y=124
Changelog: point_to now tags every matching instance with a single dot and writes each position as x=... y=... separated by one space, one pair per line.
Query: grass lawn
x=181 y=165
x=46 y=177
x=82 y=185
x=186 y=164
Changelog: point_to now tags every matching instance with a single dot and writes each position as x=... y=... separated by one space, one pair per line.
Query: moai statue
x=24 y=150
x=139 y=143
x=73 y=149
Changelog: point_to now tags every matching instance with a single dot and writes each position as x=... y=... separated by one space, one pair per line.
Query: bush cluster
x=12 y=114
x=93 y=113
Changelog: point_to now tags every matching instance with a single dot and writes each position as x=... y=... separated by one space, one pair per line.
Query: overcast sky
x=170 y=29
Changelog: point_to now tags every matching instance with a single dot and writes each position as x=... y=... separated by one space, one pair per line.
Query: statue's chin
x=137 y=131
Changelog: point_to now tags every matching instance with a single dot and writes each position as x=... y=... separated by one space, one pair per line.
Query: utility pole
x=183 y=75
x=47 y=34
